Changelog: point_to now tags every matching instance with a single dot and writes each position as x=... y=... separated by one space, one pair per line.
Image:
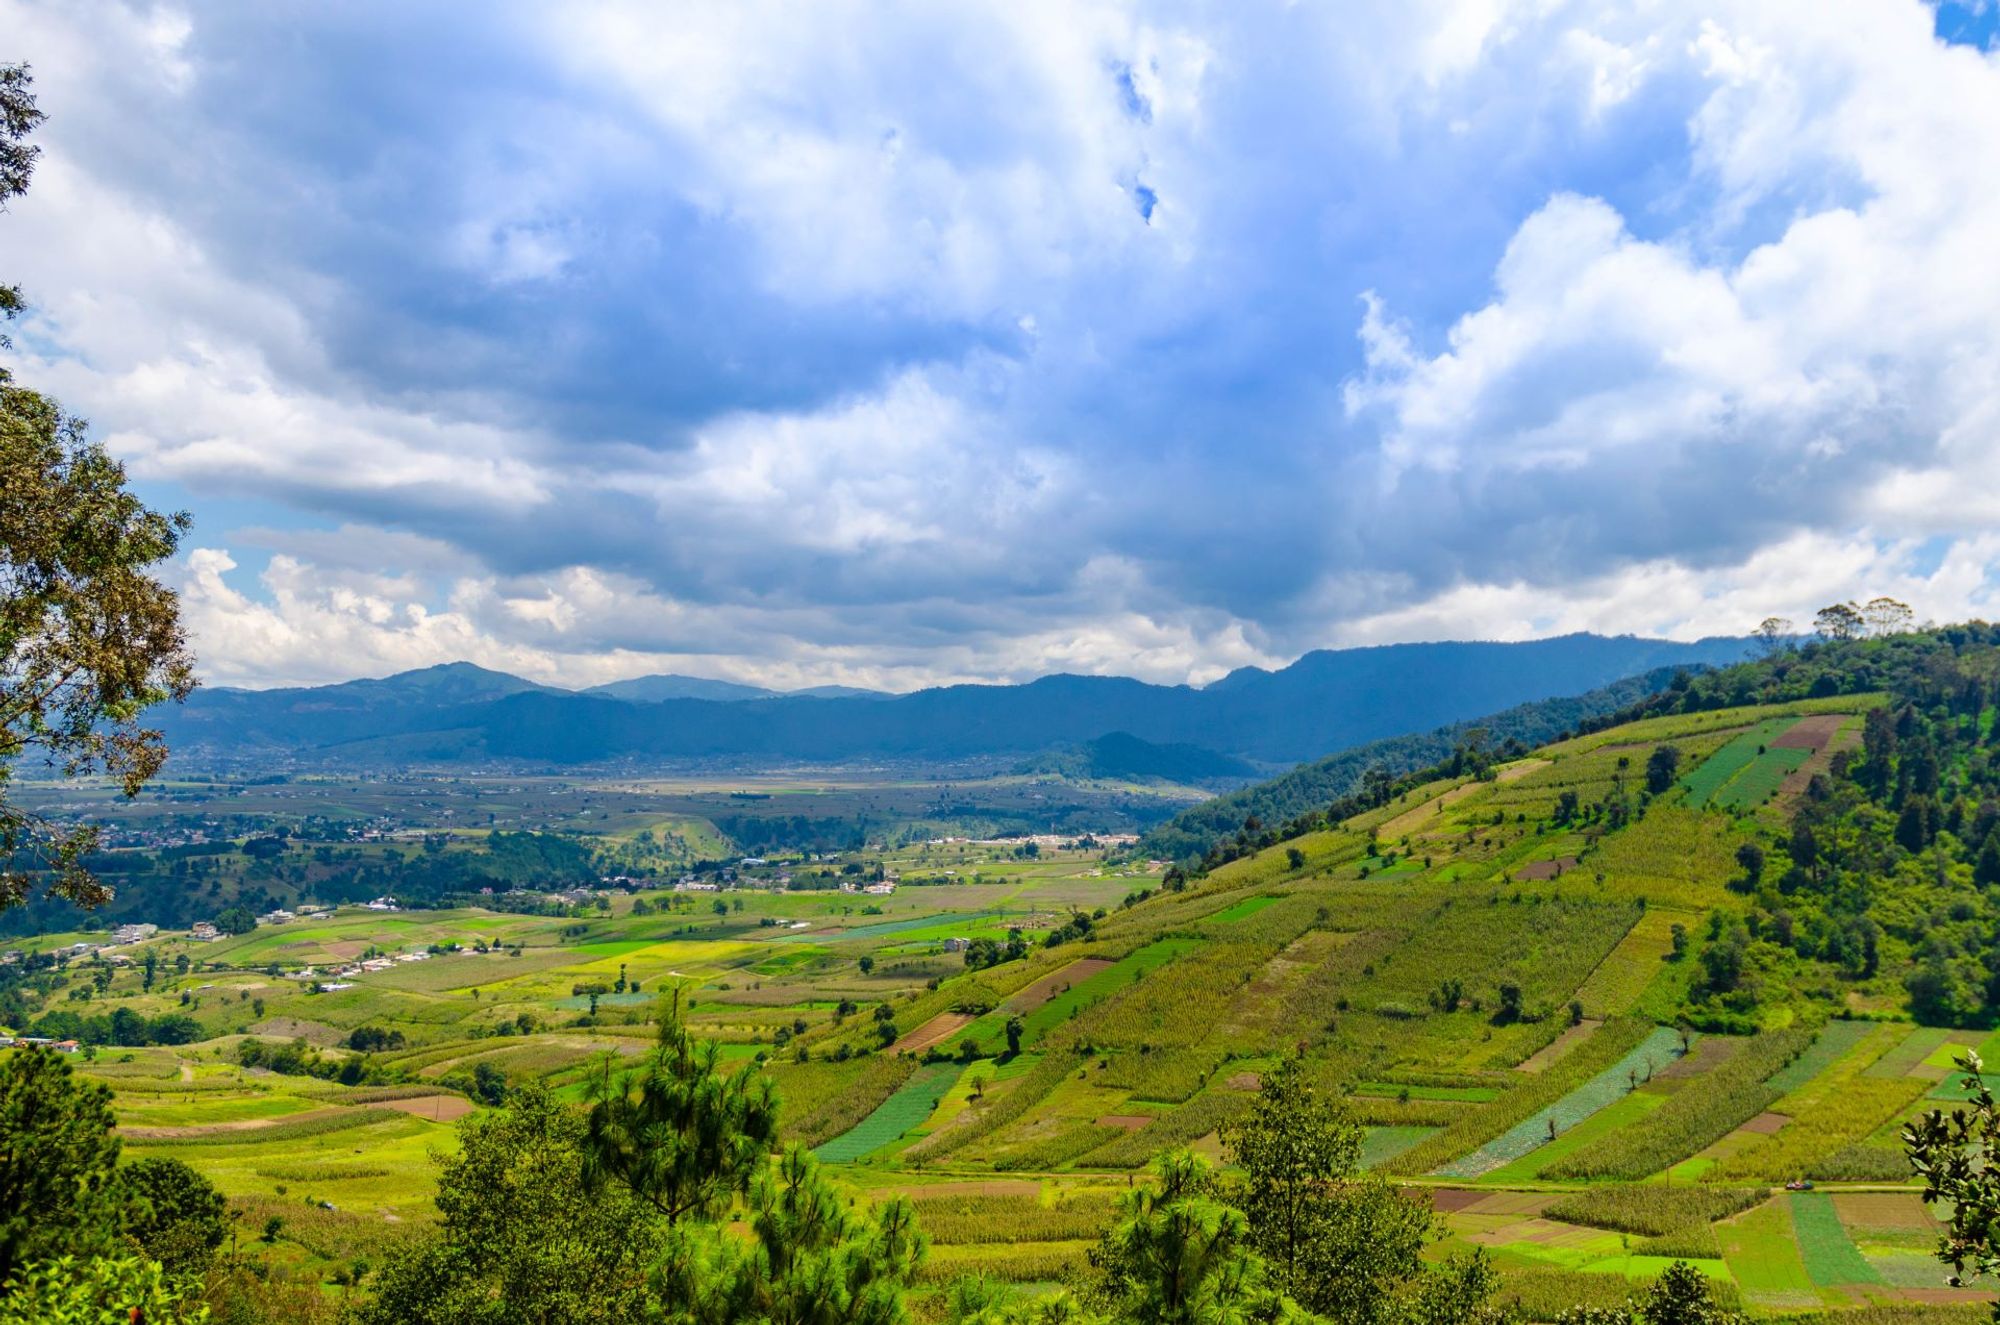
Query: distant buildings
x=384 y=904
x=133 y=933
x=204 y=932
x=957 y=945
x=276 y=916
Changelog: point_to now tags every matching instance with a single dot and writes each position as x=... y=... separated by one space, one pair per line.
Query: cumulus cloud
x=890 y=345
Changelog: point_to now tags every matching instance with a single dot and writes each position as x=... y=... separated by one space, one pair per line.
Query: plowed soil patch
x=942 y=1026
x=1810 y=733
x=1537 y=871
x=1765 y=1124
x=1131 y=1122
x=1865 y=1210
x=1245 y=1081
x=1451 y=1200
x=434 y=1108
x=1709 y=1053
x=1556 y=1048
x=212 y=1129
x=1046 y=988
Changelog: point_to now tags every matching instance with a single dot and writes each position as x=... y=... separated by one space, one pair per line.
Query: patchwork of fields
x=1489 y=986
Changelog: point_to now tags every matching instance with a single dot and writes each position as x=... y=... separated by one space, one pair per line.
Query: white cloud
x=831 y=344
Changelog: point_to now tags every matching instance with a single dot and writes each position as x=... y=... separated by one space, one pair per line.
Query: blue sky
x=892 y=344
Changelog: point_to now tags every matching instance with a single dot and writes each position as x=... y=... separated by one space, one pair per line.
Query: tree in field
x=1016 y=1028
x=1662 y=767
x=1750 y=857
x=677 y=1133
x=57 y=1152
x=1839 y=621
x=88 y=639
x=1680 y=1296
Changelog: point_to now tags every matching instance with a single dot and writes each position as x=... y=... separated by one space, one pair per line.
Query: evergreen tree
x=55 y=1163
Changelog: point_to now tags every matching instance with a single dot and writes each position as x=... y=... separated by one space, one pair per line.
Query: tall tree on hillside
x=1341 y=1242
x=88 y=638
x=1180 y=1255
x=1839 y=621
x=1886 y=616
x=677 y=1133
x=1773 y=634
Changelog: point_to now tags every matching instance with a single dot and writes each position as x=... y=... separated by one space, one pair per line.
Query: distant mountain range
x=459 y=714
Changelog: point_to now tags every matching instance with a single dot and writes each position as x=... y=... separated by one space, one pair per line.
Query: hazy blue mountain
x=1326 y=701
x=652 y=689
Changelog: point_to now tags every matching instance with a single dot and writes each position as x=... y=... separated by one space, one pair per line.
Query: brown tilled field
x=938 y=1028
x=1046 y=988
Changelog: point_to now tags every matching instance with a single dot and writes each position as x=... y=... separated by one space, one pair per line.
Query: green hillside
x=1595 y=1003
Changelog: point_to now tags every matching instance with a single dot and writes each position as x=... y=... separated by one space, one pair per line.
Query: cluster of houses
x=41 y=1041
x=314 y=976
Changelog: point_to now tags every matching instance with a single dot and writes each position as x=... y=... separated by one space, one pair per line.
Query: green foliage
x=677 y=1133
x=521 y=1236
x=812 y=1259
x=1956 y=1155
x=1181 y=1255
x=57 y=1152
x=175 y=1215
x=88 y=639
x=97 y=1290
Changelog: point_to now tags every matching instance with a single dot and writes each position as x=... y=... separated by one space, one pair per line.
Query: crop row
x=1653 y=1211
x=1573 y=1108
x=1612 y=1042
x=894 y=1116
x=1830 y=1126
x=314 y=1124
x=1701 y=1113
x=994 y=1219
x=1023 y=1095
x=822 y=1099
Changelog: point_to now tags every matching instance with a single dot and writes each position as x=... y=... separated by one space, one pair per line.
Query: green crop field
x=894 y=1117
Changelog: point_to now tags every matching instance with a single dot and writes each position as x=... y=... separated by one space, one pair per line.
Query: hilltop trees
x=88 y=638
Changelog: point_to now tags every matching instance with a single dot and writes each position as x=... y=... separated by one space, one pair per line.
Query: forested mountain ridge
x=1329 y=700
